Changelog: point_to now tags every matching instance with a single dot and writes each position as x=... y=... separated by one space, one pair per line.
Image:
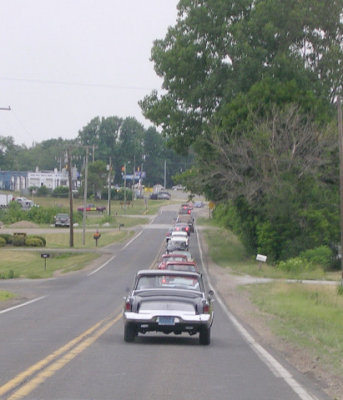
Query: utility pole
x=71 y=227
x=109 y=188
x=340 y=139
x=125 y=186
x=165 y=174
x=85 y=200
x=5 y=108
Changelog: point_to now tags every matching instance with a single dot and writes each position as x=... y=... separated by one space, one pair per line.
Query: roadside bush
x=321 y=255
x=33 y=242
x=43 y=191
x=10 y=275
x=7 y=237
x=13 y=213
x=2 y=242
x=41 y=238
x=19 y=240
x=295 y=265
x=61 y=191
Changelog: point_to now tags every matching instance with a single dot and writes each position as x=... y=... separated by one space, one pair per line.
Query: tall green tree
x=249 y=86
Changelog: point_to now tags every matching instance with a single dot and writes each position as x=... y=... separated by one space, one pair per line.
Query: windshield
x=167 y=281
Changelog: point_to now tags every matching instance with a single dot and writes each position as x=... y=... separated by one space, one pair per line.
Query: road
x=68 y=343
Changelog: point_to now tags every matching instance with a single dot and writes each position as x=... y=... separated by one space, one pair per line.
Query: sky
x=65 y=62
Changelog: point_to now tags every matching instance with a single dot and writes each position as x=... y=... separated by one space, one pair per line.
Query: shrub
x=41 y=238
x=2 y=242
x=321 y=255
x=7 y=237
x=61 y=191
x=295 y=265
x=42 y=191
x=33 y=242
x=10 y=274
x=19 y=240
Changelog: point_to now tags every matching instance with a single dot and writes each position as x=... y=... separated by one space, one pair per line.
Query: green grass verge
x=4 y=295
x=29 y=264
x=61 y=239
x=309 y=316
x=226 y=250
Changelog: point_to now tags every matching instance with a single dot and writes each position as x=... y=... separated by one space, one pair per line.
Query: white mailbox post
x=262 y=259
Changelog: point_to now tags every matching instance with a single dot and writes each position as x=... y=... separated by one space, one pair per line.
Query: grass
x=136 y=207
x=226 y=250
x=4 y=295
x=310 y=317
x=61 y=239
x=29 y=264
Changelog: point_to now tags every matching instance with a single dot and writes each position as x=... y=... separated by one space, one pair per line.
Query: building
x=18 y=180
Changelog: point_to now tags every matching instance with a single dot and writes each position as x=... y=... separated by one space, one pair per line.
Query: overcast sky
x=64 y=62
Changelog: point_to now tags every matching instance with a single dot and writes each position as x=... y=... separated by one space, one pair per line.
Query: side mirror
x=210 y=294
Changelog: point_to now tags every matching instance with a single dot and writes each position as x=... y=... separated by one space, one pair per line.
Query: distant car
x=186 y=219
x=171 y=257
x=183 y=227
x=92 y=207
x=198 y=204
x=168 y=302
x=176 y=244
x=163 y=196
x=183 y=252
x=62 y=220
x=189 y=266
x=178 y=187
x=179 y=234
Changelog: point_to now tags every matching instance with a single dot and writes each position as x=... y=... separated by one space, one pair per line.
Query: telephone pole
x=5 y=108
x=71 y=225
x=109 y=188
x=85 y=200
x=340 y=140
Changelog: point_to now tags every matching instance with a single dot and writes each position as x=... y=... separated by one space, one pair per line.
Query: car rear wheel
x=205 y=335
x=130 y=333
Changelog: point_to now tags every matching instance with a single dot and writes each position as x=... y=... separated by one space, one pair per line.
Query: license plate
x=166 y=321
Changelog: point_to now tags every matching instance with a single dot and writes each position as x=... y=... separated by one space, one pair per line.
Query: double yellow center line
x=28 y=380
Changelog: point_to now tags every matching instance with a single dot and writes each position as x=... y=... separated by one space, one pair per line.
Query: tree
x=220 y=49
x=249 y=86
x=97 y=177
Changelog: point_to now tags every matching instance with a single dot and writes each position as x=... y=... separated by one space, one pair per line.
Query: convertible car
x=168 y=302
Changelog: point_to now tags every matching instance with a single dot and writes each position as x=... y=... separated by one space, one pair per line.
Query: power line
x=65 y=83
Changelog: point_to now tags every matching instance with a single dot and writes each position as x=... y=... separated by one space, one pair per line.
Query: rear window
x=168 y=281
x=170 y=305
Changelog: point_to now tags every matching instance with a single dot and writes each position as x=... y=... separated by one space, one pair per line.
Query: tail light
x=206 y=308
x=128 y=305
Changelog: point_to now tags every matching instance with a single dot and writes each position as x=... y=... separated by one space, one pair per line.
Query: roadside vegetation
x=309 y=316
x=227 y=250
x=4 y=295
x=30 y=265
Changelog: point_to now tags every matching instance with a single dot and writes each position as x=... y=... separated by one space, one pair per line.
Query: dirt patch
x=24 y=225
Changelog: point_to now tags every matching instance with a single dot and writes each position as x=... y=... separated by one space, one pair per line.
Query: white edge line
x=22 y=305
x=276 y=368
x=133 y=239
x=113 y=257
x=102 y=266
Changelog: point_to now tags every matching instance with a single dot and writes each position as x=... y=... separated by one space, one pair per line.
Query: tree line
x=250 y=88
x=109 y=140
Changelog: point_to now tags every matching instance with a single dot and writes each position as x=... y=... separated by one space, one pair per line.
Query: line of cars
x=170 y=298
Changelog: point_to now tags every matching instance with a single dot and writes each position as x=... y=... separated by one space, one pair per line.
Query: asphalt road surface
x=68 y=343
